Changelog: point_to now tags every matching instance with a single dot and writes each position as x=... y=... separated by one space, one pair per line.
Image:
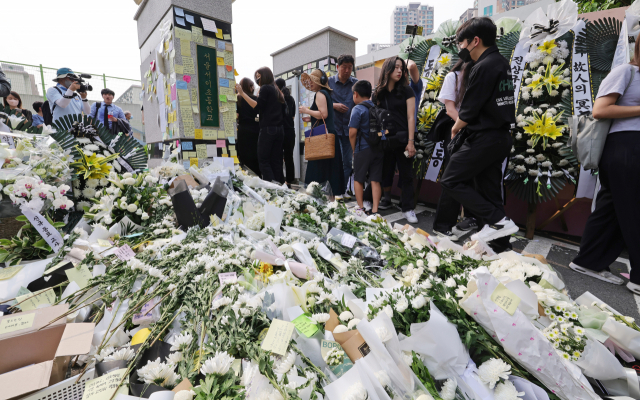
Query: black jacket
x=5 y=85
x=488 y=102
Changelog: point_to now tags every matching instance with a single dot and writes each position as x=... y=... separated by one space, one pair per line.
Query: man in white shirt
x=63 y=98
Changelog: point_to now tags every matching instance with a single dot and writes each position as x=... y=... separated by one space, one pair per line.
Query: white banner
x=434 y=53
x=582 y=101
x=517 y=68
x=437 y=159
x=46 y=230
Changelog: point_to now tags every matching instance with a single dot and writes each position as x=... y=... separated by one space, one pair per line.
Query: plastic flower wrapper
x=156 y=359
x=116 y=358
x=347 y=244
x=507 y=25
x=445 y=35
x=269 y=253
x=522 y=341
x=356 y=384
x=184 y=207
x=320 y=192
x=216 y=200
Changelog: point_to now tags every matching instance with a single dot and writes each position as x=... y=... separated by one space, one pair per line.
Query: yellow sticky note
x=185 y=48
x=211 y=42
x=505 y=299
x=225 y=155
x=104 y=387
x=221 y=135
x=235 y=72
x=219 y=34
x=227 y=36
x=235 y=160
x=183 y=34
x=209 y=134
x=31 y=302
x=16 y=322
x=193 y=161
x=179 y=69
x=233 y=153
x=220 y=60
x=198 y=133
x=9 y=272
x=279 y=334
x=80 y=276
x=140 y=336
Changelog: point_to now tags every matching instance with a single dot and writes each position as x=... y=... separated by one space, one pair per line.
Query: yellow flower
x=427 y=115
x=94 y=167
x=547 y=47
x=434 y=82
x=445 y=59
x=543 y=127
x=264 y=270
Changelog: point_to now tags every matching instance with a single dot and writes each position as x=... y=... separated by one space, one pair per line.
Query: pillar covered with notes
x=188 y=79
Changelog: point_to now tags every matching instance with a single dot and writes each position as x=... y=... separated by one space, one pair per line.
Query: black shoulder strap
x=98 y=105
x=54 y=103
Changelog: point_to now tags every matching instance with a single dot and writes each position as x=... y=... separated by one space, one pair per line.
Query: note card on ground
x=103 y=388
x=125 y=253
x=278 y=336
x=305 y=325
x=80 y=276
x=9 y=272
x=505 y=299
x=32 y=301
x=16 y=322
x=227 y=277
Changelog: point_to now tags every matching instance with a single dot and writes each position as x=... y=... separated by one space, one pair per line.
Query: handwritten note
x=187 y=63
x=31 y=302
x=185 y=48
x=125 y=253
x=220 y=60
x=183 y=34
x=209 y=134
x=196 y=34
x=179 y=69
x=278 y=336
x=198 y=133
x=145 y=314
x=305 y=325
x=201 y=150
x=80 y=276
x=46 y=230
x=104 y=387
x=9 y=272
x=16 y=323
x=227 y=277
x=228 y=58
x=505 y=299
x=209 y=25
x=193 y=161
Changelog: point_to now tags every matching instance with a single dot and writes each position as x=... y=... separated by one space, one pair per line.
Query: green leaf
x=21 y=218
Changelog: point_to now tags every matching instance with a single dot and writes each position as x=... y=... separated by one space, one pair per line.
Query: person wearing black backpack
x=367 y=152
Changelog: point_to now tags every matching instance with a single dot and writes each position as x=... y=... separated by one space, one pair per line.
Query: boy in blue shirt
x=37 y=118
x=367 y=159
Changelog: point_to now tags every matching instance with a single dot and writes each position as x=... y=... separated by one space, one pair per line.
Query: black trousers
x=247 y=146
x=270 y=153
x=614 y=222
x=391 y=159
x=473 y=175
x=288 y=146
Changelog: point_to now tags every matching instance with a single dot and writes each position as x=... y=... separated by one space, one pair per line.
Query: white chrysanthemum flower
x=181 y=342
x=563 y=162
x=402 y=304
x=418 y=302
x=327 y=298
x=541 y=157
x=353 y=323
x=507 y=391
x=283 y=365
x=184 y=395
x=219 y=364
x=175 y=358
x=346 y=316
x=450 y=282
x=433 y=262
x=89 y=193
x=520 y=169
x=158 y=373
x=448 y=390
x=334 y=357
x=547 y=164
x=491 y=371
x=340 y=329
x=536 y=93
x=384 y=334
x=222 y=302
x=356 y=392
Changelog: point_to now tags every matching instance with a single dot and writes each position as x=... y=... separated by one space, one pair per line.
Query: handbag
x=320 y=146
x=457 y=141
x=588 y=135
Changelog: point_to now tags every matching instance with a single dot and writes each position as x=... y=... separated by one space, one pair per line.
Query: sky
x=101 y=37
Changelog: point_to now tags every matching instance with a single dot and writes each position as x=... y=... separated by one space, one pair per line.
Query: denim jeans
x=347 y=153
x=270 y=144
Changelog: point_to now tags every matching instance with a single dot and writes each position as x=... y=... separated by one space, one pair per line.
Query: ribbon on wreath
x=449 y=41
x=558 y=20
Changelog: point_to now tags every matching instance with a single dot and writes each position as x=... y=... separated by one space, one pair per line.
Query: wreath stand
x=531 y=217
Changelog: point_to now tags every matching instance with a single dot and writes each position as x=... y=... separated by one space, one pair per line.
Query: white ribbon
x=44 y=228
x=437 y=159
x=517 y=68
x=429 y=65
x=632 y=16
x=558 y=20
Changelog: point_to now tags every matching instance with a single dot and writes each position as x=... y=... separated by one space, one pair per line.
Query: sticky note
x=9 y=272
x=16 y=322
x=31 y=302
x=209 y=25
x=185 y=164
x=305 y=325
x=229 y=68
x=186 y=78
x=188 y=65
x=233 y=153
x=225 y=155
x=183 y=34
x=219 y=34
x=223 y=98
x=104 y=387
x=179 y=11
x=228 y=46
x=193 y=161
x=235 y=160
x=228 y=58
x=80 y=276
x=232 y=140
x=185 y=48
x=201 y=151
x=174 y=94
x=224 y=82
x=230 y=75
x=224 y=150
x=278 y=336
x=505 y=299
x=209 y=134
x=212 y=42
x=124 y=253
x=221 y=135
x=227 y=36
x=189 y=18
x=212 y=150
x=221 y=143
x=181 y=85
x=198 y=133
x=220 y=60
x=235 y=72
x=221 y=46
x=179 y=69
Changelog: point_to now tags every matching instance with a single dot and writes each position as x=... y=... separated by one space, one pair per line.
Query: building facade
x=411 y=14
x=467 y=15
x=377 y=46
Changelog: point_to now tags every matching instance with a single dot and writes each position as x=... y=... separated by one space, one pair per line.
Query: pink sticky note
x=174 y=93
x=625 y=275
x=221 y=143
x=186 y=78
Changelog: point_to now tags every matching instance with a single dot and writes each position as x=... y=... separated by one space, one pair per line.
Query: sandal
x=602 y=275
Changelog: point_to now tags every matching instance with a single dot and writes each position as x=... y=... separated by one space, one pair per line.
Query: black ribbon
x=449 y=41
x=538 y=29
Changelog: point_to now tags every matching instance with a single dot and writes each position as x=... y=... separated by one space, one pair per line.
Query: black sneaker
x=385 y=204
x=467 y=224
x=446 y=234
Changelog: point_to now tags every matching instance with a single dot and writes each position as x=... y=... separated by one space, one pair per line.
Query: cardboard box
x=33 y=359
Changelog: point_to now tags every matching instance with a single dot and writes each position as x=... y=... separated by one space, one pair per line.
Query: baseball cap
x=62 y=73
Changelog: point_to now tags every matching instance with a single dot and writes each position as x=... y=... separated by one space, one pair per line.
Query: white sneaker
x=488 y=233
x=605 y=275
x=367 y=205
x=410 y=216
x=447 y=234
x=346 y=196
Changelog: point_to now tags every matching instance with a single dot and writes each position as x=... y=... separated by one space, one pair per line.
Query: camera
x=84 y=86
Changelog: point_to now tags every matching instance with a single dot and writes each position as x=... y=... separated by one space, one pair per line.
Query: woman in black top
x=248 y=129
x=288 y=116
x=14 y=102
x=394 y=94
x=269 y=105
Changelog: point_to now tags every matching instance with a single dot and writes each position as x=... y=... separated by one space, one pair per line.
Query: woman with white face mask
x=14 y=102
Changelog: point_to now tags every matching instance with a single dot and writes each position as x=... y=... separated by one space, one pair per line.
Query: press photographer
x=69 y=96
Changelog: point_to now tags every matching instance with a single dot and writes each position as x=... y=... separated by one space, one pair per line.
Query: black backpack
x=378 y=119
x=47 y=110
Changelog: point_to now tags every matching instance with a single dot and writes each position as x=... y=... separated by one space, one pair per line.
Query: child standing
x=367 y=158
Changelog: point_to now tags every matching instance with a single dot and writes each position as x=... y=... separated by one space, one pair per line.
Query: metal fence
x=32 y=82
